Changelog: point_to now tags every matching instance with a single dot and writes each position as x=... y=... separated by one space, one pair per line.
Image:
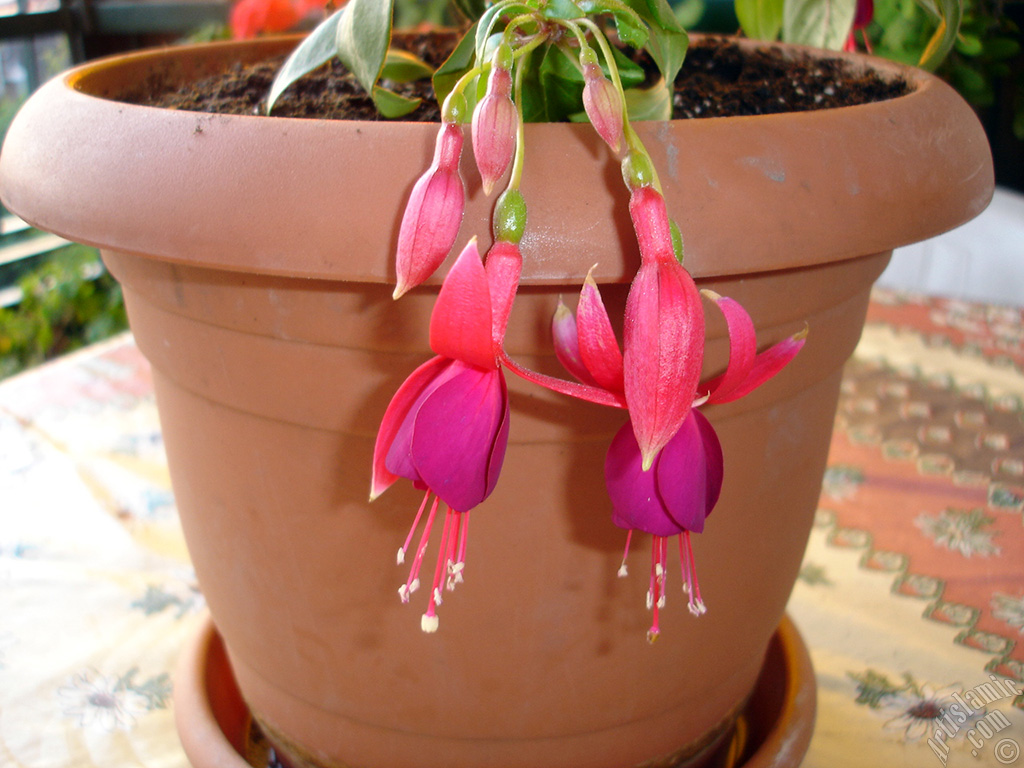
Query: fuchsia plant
x=447 y=427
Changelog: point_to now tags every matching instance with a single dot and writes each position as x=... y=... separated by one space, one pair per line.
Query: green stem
x=518 y=158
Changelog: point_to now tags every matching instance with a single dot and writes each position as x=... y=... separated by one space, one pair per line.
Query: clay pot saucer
x=774 y=729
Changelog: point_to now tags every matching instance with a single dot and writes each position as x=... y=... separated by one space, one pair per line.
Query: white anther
x=429 y=623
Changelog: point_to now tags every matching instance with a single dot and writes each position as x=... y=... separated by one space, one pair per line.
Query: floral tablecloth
x=911 y=596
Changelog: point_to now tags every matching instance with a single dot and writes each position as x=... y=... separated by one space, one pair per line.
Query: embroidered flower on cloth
x=102 y=702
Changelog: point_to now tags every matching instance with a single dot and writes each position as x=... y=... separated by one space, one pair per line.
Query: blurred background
x=56 y=296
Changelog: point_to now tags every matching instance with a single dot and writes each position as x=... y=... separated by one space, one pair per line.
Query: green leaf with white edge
x=319 y=47
x=459 y=62
x=818 y=23
x=654 y=103
x=668 y=40
x=391 y=104
x=760 y=19
x=403 y=67
x=941 y=43
x=364 y=36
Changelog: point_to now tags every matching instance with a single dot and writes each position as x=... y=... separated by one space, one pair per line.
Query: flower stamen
x=413 y=582
x=696 y=604
x=623 y=570
x=412 y=530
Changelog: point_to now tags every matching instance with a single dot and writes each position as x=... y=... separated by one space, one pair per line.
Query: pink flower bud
x=494 y=129
x=603 y=104
x=433 y=214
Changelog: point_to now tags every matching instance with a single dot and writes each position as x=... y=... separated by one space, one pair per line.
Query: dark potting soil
x=718 y=79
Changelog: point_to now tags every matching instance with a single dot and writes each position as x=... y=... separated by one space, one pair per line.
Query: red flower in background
x=251 y=17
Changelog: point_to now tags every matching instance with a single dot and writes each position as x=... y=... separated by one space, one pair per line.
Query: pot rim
x=291 y=196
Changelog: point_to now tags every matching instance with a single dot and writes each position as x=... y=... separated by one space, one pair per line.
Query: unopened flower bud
x=510 y=216
x=433 y=214
x=603 y=103
x=495 y=120
x=638 y=171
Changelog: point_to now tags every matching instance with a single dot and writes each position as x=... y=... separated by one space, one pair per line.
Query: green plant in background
x=988 y=42
x=67 y=302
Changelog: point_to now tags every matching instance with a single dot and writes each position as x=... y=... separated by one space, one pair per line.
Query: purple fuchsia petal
x=394 y=434
x=689 y=473
x=599 y=349
x=633 y=492
x=433 y=214
x=460 y=435
x=497 y=457
x=460 y=325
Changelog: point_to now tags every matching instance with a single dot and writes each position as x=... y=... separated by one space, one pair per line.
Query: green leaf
x=561 y=85
x=471 y=9
x=315 y=50
x=668 y=40
x=819 y=23
x=631 y=28
x=486 y=24
x=1002 y=48
x=391 y=104
x=969 y=45
x=760 y=19
x=653 y=103
x=950 y=15
x=630 y=73
x=562 y=9
x=364 y=36
x=403 y=67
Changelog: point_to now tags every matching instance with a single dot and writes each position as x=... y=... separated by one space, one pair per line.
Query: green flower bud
x=510 y=216
x=455 y=109
x=637 y=170
x=502 y=58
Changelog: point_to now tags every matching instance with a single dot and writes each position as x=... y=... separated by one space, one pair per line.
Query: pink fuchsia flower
x=495 y=122
x=663 y=331
x=678 y=492
x=433 y=214
x=446 y=428
x=862 y=17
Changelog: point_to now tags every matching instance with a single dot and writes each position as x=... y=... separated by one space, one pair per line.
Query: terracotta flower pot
x=256 y=257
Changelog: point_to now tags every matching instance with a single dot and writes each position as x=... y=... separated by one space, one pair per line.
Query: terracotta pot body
x=256 y=257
